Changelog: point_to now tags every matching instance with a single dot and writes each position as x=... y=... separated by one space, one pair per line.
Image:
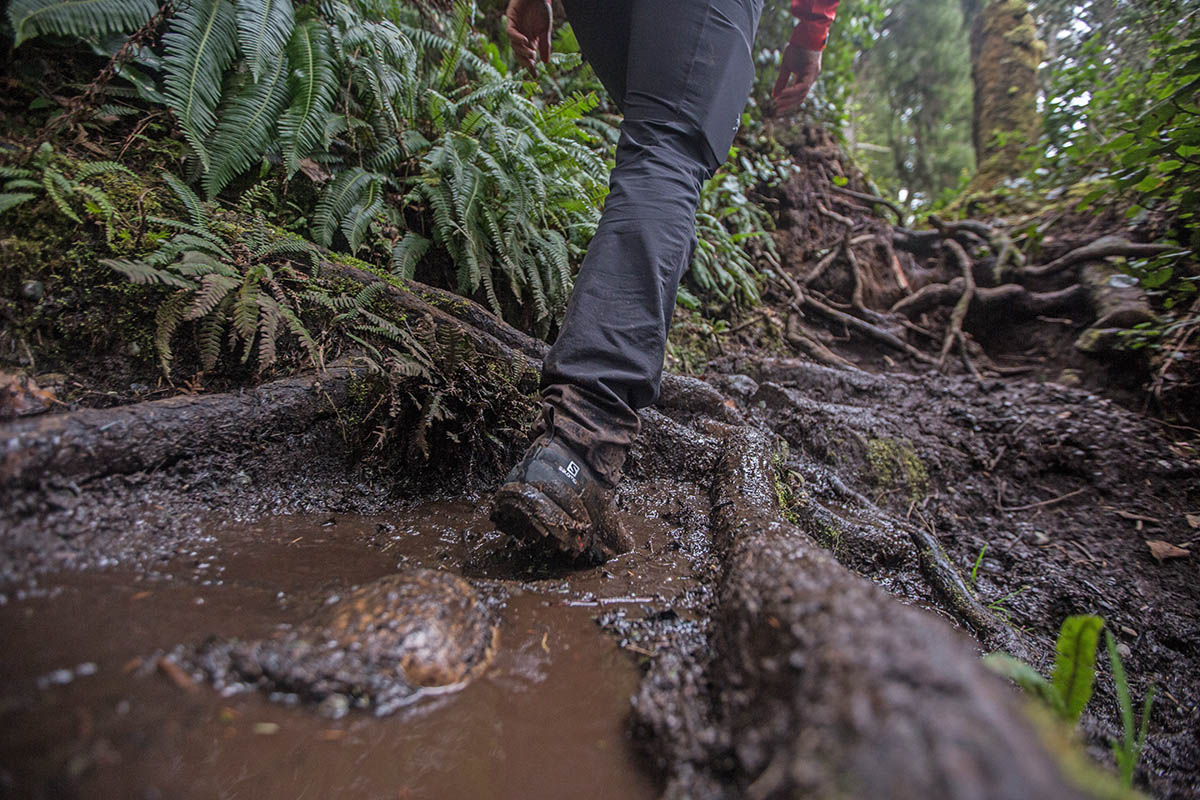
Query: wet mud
x=106 y=693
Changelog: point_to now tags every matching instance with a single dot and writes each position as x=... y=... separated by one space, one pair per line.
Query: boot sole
x=524 y=512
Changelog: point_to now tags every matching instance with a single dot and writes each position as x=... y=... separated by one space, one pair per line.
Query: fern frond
x=336 y=201
x=356 y=221
x=31 y=18
x=213 y=289
x=190 y=200
x=8 y=173
x=198 y=48
x=56 y=185
x=268 y=331
x=93 y=168
x=312 y=84
x=209 y=336
x=195 y=230
x=141 y=272
x=263 y=28
x=300 y=332
x=13 y=199
x=407 y=253
x=245 y=309
x=247 y=126
x=167 y=319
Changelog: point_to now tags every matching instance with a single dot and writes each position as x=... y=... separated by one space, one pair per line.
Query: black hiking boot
x=552 y=496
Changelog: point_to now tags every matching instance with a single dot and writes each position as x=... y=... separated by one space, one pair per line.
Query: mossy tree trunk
x=1005 y=56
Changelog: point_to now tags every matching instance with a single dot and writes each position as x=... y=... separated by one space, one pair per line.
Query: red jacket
x=814 y=18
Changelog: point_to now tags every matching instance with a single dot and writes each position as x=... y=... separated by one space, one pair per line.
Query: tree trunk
x=1005 y=55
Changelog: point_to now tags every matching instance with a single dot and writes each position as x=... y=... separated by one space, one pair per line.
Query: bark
x=1005 y=55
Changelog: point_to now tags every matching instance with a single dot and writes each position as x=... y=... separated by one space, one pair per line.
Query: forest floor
x=138 y=522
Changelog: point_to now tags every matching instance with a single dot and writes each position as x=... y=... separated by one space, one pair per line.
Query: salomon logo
x=571 y=471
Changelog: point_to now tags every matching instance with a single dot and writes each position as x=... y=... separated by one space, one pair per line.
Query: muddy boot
x=561 y=492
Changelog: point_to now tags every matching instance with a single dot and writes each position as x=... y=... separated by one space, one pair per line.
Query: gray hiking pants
x=680 y=71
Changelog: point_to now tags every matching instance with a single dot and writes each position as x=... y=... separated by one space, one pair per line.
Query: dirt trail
x=771 y=669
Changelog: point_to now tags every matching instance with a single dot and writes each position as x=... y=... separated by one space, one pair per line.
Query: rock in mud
x=378 y=647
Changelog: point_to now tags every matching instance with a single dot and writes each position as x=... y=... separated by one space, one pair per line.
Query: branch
x=870 y=198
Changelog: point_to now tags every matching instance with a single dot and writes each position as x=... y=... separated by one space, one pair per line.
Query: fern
x=246 y=126
x=10 y=200
x=190 y=200
x=141 y=272
x=407 y=253
x=198 y=49
x=336 y=201
x=361 y=214
x=263 y=27
x=32 y=18
x=312 y=91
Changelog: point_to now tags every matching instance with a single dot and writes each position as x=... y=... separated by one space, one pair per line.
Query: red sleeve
x=814 y=18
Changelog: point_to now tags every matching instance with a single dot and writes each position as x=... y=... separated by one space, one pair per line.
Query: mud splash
x=86 y=712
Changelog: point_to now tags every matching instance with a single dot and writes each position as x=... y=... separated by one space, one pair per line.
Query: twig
x=821 y=266
x=1043 y=503
x=833 y=215
x=867 y=329
x=870 y=198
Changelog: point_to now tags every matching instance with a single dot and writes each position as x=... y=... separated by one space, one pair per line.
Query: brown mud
x=90 y=710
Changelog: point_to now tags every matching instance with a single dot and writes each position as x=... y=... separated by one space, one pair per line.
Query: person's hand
x=529 y=26
x=804 y=66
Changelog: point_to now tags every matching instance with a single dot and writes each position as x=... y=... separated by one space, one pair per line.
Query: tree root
x=1101 y=248
x=954 y=330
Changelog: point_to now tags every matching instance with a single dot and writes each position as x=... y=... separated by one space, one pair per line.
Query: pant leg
x=689 y=72
x=602 y=29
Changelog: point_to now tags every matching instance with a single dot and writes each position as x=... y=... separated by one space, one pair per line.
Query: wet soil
x=89 y=710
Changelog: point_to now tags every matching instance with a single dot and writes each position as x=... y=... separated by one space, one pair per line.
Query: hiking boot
x=554 y=496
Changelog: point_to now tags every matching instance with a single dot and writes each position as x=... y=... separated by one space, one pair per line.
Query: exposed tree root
x=1101 y=248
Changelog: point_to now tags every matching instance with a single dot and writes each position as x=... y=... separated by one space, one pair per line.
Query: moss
x=894 y=464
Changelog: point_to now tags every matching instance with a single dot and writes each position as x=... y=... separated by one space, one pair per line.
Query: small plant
x=1128 y=749
x=66 y=183
x=1074 y=676
x=975 y=568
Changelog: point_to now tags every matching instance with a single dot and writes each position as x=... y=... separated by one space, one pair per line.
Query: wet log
x=80 y=445
x=827 y=687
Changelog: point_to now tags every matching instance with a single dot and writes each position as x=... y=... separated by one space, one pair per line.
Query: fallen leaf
x=177 y=674
x=266 y=728
x=1163 y=550
x=1193 y=520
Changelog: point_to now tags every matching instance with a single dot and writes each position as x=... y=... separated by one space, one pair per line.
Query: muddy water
x=84 y=711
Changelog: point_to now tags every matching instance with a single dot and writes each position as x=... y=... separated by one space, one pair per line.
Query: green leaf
x=1149 y=183
x=1170 y=165
x=247 y=126
x=1075 y=662
x=263 y=28
x=199 y=47
x=32 y=18
x=1026 y=677
x=1157 y=278
x=12 y=200
x=312 y=91
x=839 y=180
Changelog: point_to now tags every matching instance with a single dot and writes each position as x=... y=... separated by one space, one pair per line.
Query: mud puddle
x=84 y=712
